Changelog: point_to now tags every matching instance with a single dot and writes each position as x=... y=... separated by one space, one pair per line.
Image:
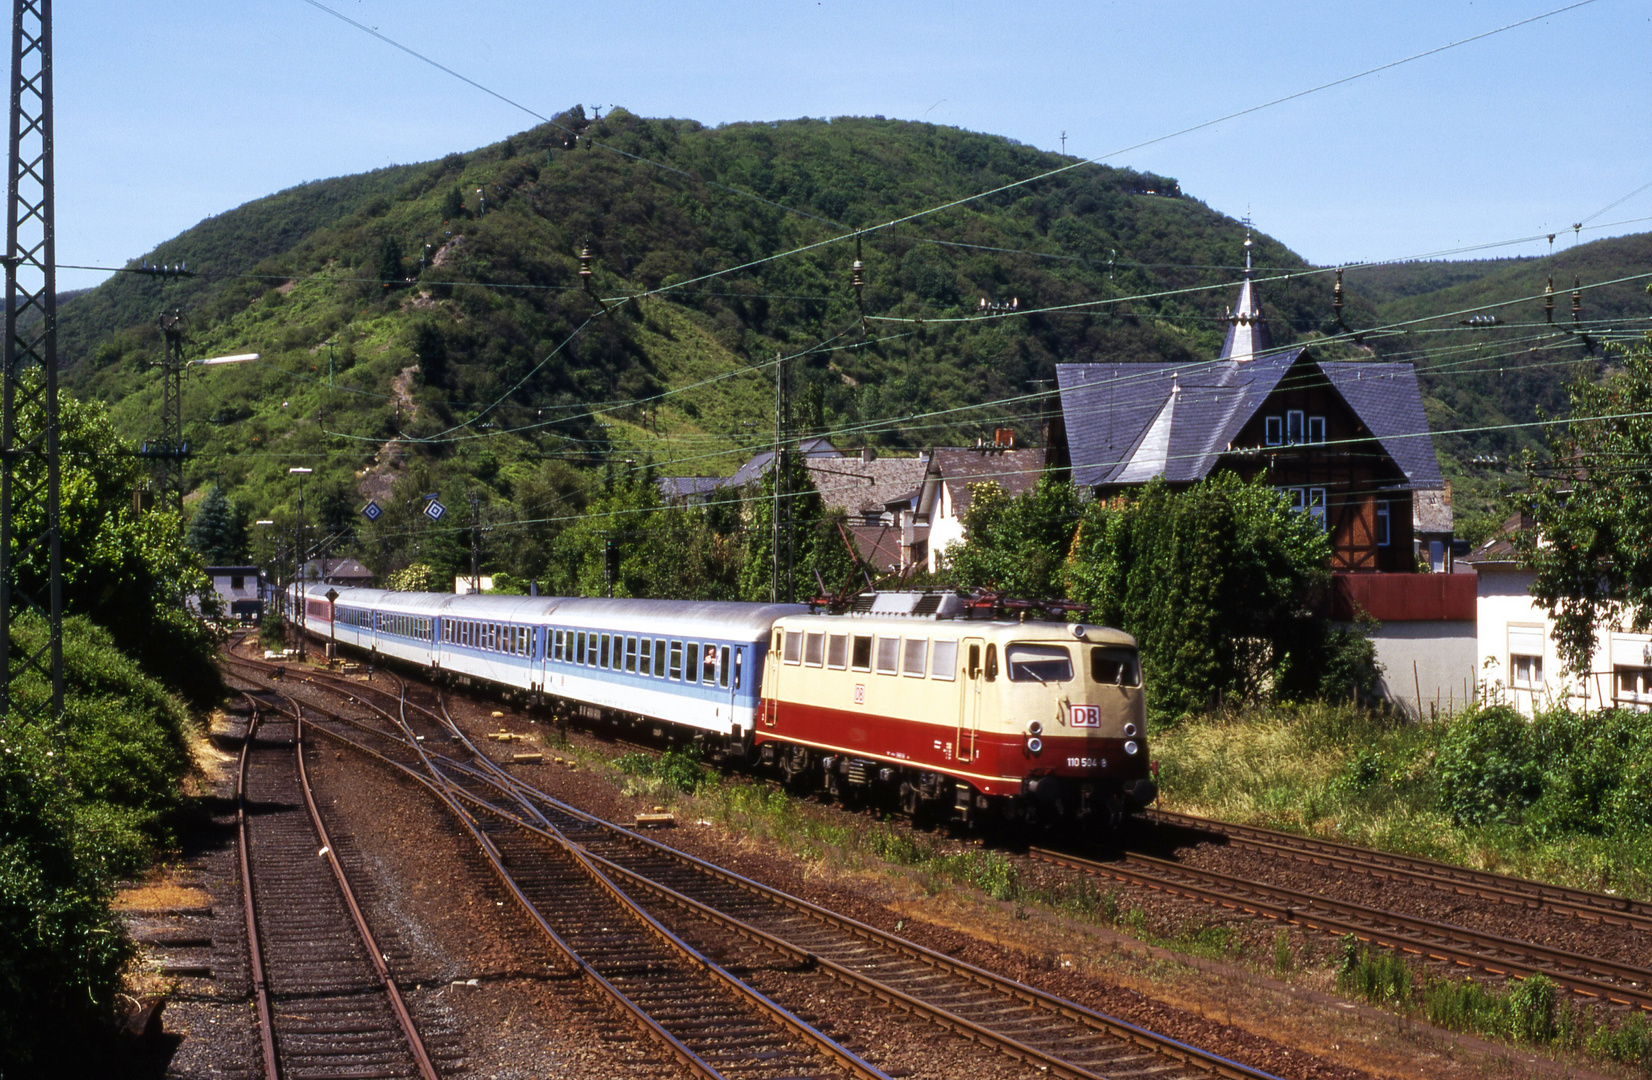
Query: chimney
x=867 y=453
x=1003 y=438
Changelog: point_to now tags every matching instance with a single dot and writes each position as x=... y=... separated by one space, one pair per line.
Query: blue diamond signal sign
x=434 y=510
x=371 y=511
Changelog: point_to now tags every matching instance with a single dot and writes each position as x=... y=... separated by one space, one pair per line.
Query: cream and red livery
x=910 y=697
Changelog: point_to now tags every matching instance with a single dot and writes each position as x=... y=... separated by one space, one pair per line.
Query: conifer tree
x=217 y=531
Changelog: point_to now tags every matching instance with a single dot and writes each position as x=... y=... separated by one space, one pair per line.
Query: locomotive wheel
x=909 y=799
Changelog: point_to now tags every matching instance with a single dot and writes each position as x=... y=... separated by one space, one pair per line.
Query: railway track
x=327 y=1005
x=1500 y=888
x=1589 y=977
x=718 y=910
x=712 y=1022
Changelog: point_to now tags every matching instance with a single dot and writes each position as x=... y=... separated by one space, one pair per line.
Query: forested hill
x=425 y=350
x=425 y=327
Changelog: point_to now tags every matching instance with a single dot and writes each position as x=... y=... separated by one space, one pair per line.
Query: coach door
x=771 y=681
x=974 y=659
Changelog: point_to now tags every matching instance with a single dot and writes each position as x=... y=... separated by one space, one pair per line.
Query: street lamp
x=298 y=560
x=265 y=523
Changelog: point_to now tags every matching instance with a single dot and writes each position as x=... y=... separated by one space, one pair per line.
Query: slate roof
x=753 y=470
x=688 y=487
x=859 y=487
x=1013 y=470
x=879 y=545
x=1431 y=511
x=1127 y=423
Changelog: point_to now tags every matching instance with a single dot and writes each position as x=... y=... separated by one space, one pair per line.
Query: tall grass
x=1362 y=778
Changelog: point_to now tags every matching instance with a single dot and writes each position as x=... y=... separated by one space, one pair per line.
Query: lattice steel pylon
x=31 y=557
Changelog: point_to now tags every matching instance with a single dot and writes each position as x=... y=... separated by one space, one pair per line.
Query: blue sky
x=171 y=113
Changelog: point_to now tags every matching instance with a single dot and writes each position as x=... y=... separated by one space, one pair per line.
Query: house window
x=1293 y=426
x=1316 y=429
x=1384 y=535
x=1309 y=501
x=1527 y=672
x=1634 y=684
x=236 y=581
x=1274 y=427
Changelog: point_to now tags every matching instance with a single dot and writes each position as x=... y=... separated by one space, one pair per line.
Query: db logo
x=1084 y=716
x=860 y=693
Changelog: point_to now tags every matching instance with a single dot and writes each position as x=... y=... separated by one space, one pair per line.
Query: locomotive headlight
x=1131 y=748
x=1035 y=745
x=1035 y=728
x=1078 y=631
x=1130 y=731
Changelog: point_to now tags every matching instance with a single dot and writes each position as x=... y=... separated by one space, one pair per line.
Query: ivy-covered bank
x=82 y=804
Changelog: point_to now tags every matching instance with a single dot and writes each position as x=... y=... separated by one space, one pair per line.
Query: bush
x=1488 y=767
x=81 y=803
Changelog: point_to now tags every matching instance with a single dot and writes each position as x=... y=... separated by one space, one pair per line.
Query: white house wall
x=945 y=528
x=1511 y=623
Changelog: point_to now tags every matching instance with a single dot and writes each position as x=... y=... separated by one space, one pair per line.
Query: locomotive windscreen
x=1029 y=662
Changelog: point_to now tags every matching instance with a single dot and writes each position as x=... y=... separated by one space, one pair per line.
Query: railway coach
x=908 y=697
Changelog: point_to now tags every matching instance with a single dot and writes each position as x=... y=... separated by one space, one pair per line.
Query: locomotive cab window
x=814 y=649
x=992 y=661
x=837 y=651
x=889 y=651
x=794 y=647
x=862 y=658
x=943 y=661
x=1036 y=662
x=1114 y=667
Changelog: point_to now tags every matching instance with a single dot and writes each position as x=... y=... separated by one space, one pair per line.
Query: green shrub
x=1488 y=767
x=1532 y=1010
x=81 y=803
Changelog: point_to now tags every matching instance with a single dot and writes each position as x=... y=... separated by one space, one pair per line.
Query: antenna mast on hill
x=31 y=558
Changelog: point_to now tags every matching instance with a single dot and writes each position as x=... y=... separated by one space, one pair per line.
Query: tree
x=218 y=531
x=390 y=261
x=453 y=204
x=1217 y=582
x=817 y=548
x=1591 y=504
x=1018 y=545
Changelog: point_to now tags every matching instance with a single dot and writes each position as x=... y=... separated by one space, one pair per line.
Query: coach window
x=722 y=666
x=631 y=655
x=992 y=661
x=579 y=647
x=943 y=661
x=915 y=657
x=691 y=665
x=659 y=658
x=676 y=660
x=708 y=670
x=837 y=651
x=889 y=654
x=645 y=655
x=607 y=640
x=862 y=660
x=794 y=647
x=814 y=649
x=556 y=644
x=739 y=664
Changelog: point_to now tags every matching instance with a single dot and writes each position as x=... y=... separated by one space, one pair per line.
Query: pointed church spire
x=1247 y=327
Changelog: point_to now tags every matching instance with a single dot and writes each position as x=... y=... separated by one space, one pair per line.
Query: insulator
x=856 y=280
x=1548 y=300
x=1577 y=300
x=585 y=261
x=1336 y=296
